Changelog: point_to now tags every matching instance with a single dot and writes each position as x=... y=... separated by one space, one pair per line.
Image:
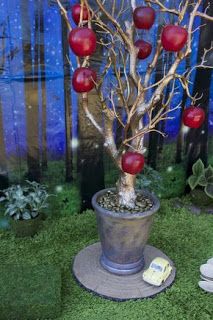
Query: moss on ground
x=174 y=181
x=185 y=238
x=29 y=292
x=66 y=201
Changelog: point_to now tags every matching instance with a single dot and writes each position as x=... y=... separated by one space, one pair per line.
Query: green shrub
x=150 y=179
x=167 y=183
x=67 y=200
x=202 y=177
x=25 y=202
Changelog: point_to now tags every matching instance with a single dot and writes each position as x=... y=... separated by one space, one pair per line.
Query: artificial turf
x=29 y=292
x=187 y=239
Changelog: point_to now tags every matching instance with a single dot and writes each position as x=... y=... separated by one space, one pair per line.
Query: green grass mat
x=29 y=292
x=185 y=238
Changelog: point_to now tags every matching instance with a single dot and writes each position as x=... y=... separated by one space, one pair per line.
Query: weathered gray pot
x=123 y=236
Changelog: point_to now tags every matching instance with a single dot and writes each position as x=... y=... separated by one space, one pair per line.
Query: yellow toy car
x=158 y=271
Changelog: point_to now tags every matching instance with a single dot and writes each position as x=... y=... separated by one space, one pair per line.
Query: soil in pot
x=109 y=201
x=26 y=228
x=200 y=199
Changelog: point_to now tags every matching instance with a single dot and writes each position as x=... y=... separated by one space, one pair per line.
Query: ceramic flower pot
x=26 y=228
x=123 y=236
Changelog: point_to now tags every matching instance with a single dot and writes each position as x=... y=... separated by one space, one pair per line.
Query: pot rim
x=126 y=215
x=38 y=217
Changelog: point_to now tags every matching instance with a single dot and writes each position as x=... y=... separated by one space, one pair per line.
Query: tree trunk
x=43 y=93
x=4 y=181
x=44 y=164
x=197 y=139
x=31 y=100
x=162 y=124
x=3 y=158
x=90 y=153
x=154 y=137
x=180 y=138
x=67 y=103
x=126 y=190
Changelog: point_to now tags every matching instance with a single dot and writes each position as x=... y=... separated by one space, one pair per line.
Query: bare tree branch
x=64 y=14
x=164 y=8
x=88 y=114
x=205 y=16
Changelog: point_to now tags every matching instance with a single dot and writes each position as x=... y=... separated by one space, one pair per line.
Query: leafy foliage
x=150 y=179
x=167 y=183
x=198 y=168
x=202 y=177
x=209 y=190
x=25 y=202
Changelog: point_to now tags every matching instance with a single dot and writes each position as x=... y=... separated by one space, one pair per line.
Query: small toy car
x=158 y=271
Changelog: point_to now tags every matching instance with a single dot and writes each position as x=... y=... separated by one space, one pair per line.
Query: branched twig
x=64 y=14
x=205 y=16
x=153 y=63
x=164 y=8
x=88 y=114
x=114 y=22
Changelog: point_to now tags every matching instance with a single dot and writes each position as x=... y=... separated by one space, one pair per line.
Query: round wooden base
x=91 y=275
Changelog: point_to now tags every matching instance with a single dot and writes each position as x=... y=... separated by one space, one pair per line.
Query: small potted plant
x=25 y=205
x=201 y=184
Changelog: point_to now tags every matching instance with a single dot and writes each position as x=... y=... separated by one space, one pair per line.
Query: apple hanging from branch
x=193 y=117
x=174 y=38
x=84 y=79
x=144 y=17
x=76 y=13
x=132 y=162
x=145 y=49
x=82 y=41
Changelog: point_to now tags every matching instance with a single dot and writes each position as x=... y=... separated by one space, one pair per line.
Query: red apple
x=143 y=17
x=83 y=79
x=82 y=41
x=76 y=12
x=174 y=38
x=132 y=162
x=145 y=48
x=193 y=117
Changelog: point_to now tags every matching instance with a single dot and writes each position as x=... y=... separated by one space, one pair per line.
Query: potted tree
x=25 y=205
x=124 y=215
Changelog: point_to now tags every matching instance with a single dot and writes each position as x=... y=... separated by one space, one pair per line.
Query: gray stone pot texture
x=123 y=236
